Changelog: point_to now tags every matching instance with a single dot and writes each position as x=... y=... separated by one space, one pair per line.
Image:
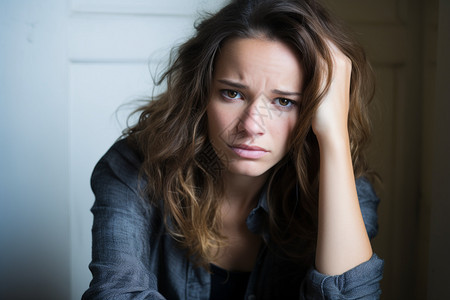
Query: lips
x=247 y=151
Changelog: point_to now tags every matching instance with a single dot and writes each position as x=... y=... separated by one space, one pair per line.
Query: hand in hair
x=330 y=119
x=342 y=241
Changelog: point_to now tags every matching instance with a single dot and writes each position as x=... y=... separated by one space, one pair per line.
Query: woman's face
x=253 y=108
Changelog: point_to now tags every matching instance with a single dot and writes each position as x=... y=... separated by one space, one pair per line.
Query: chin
x=249 y=169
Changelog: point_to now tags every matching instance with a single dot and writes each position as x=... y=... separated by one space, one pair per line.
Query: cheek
x=283 y=129
x=220 y=119
x=291 y=127
x=216 y=121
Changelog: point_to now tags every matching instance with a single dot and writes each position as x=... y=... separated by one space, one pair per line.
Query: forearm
x=342 y=238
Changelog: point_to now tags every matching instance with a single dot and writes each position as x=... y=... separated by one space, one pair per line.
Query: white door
x=111 y=47
x=68 y=71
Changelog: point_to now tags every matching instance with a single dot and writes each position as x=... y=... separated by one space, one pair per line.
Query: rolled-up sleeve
x=362 y=281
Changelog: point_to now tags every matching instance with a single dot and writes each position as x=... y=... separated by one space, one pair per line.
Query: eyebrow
x=233 y=84
x=238 y=85
x=284 y=93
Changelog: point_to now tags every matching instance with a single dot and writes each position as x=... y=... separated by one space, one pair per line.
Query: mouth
x=248 y=151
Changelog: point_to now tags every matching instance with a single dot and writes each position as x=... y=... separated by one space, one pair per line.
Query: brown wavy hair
x=171 y=134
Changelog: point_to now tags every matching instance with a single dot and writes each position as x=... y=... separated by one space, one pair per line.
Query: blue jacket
x=133 y=256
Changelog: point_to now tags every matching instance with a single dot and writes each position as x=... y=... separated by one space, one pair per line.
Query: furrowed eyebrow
x=233 y=84
x=284 y=93
x=238 y=85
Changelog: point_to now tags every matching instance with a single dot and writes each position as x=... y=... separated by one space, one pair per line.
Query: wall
x=34 y=151
x=437 y=163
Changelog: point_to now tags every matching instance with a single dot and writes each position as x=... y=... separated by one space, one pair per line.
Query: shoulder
x=116 y=180
x=120 y=162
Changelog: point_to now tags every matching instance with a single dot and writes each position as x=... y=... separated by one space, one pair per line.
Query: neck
x=242 y=191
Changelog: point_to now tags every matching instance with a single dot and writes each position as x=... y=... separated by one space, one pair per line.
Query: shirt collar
x=262 y=202
x=257 y=219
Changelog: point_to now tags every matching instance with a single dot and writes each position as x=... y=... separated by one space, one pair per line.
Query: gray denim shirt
x=133 y=256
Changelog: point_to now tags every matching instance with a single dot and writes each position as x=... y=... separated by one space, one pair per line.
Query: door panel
x=390 y=32
x=113 y=49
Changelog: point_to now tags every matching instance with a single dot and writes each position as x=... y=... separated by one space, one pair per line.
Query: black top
x=228 y=285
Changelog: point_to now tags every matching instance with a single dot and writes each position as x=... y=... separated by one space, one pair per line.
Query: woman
x=239 y=181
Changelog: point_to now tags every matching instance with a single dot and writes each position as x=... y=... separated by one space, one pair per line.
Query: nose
x=253 y=119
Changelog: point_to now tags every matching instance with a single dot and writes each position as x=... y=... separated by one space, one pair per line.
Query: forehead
x=249 y=59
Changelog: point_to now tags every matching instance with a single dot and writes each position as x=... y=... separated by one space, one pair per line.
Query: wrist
x=333 y=137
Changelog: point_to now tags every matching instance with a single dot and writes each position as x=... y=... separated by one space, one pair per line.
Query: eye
x=231 y=94
x=284 y=102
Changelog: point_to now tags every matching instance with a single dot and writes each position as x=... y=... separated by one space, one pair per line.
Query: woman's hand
x=342 y=241
x=330 y=119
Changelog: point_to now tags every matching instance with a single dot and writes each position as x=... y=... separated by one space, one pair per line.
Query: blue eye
x=231 y=94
